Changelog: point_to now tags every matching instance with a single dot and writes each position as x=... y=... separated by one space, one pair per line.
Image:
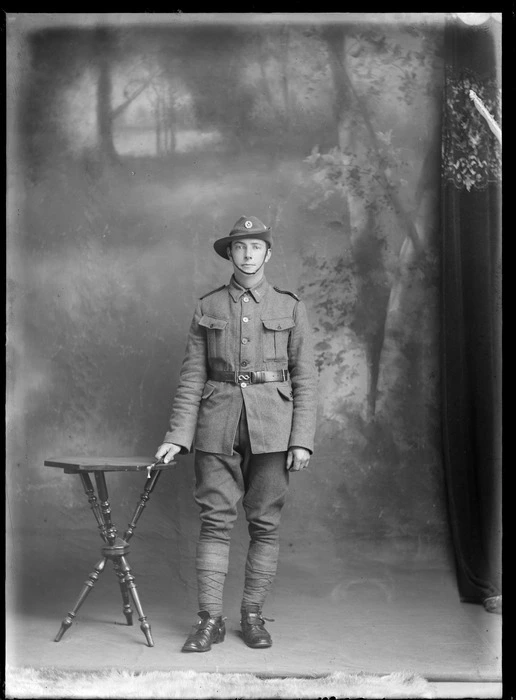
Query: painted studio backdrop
x=135 y=147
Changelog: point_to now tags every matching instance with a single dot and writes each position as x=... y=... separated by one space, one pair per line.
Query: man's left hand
x=297 y=458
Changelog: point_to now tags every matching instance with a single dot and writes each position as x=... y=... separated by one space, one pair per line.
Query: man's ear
x=228 y=250
x=268 y=254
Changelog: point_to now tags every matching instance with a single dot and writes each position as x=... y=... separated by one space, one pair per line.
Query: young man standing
x=246 y=403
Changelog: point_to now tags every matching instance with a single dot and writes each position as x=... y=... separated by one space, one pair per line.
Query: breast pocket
x=276 y=332
x=216 y=333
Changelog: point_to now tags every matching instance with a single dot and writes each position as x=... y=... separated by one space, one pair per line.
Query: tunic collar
x=257 y=292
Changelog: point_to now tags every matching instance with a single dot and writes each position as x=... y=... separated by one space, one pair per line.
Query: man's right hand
x=167 y=451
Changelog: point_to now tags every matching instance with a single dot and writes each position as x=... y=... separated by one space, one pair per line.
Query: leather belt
x=280 y=375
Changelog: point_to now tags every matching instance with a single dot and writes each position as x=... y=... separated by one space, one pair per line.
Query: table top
x=105 y=464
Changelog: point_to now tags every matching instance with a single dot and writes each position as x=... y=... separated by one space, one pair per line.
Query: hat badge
x=248 y=224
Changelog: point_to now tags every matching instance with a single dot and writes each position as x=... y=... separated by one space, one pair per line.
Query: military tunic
x=240 y=330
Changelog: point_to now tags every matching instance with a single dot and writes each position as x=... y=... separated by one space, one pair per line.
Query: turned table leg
x=105 y=507
x=150 y=483
x=94 y=504
x=86 y=590
x=128 y=612
x=144 y=625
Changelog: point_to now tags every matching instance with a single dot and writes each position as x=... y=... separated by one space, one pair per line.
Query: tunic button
x=243 y=385
x=245 y=319
x=245 y=341
x=244 y=363
x=245 y=298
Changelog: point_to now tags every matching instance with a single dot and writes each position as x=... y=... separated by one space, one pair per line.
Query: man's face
x=249 y=255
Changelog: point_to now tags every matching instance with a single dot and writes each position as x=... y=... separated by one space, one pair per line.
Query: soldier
x=246 y=403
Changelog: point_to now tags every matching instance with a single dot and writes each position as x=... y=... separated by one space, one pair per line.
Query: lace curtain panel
x=471 y=153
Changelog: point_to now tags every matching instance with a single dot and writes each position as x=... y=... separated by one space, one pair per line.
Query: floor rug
x=53 y=683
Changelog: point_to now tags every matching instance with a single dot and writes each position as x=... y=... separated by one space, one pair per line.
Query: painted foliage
x=372 y=279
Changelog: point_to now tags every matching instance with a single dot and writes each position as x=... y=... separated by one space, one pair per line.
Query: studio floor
x=373 y=608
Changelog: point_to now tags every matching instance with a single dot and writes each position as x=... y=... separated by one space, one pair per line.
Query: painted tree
x=118 y=69
x=104 y=59
x=374 y=296
x=378 y=77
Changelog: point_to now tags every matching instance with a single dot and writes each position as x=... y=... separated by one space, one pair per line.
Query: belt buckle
x=244 y=377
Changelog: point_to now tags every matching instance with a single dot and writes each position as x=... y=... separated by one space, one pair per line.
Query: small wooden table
x=115 y=548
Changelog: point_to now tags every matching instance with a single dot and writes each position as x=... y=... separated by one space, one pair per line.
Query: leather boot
x=253 y=628
x=208 y=631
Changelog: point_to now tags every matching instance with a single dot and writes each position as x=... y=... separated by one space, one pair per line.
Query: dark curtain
x=471 y=309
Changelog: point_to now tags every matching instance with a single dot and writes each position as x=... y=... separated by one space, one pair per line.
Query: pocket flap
x=215 y=323
x=286 y=392
x=278 y=324
x=208 y=390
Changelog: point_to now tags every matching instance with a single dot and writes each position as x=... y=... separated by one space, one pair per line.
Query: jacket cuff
x=294 y=442
x=185 y=445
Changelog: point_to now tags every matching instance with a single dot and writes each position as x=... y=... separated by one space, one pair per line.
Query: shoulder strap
x=284 y=291
x=213 y=292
